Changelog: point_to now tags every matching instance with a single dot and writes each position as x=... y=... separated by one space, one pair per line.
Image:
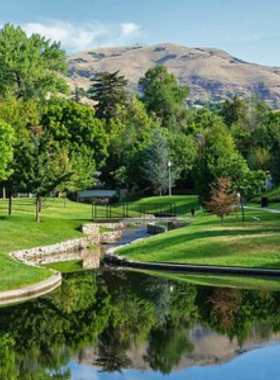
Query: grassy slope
x=20 y=231
x=183 y=203
x=206 y=242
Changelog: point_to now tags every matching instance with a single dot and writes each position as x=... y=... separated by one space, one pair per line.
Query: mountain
x=211 y=74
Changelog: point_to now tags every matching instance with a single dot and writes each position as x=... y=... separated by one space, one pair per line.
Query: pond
x=121 y=324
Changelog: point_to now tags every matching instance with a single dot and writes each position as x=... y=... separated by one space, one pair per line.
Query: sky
x=247 y=29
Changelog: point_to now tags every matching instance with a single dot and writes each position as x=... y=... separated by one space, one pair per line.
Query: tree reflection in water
x=116 y=312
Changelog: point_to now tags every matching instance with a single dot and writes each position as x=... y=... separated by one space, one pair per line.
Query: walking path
x=271 y=210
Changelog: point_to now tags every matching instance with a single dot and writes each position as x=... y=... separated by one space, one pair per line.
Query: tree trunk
x=38 y=201
x=242 y=210
x=222 y=220
x=10 y=203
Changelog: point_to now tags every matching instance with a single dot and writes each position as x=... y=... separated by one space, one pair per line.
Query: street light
x=169 y=177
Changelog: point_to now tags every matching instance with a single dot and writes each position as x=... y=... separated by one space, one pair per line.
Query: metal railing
x=132 y=210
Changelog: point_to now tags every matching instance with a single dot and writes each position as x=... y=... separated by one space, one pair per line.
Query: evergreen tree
x=108 y=91
x=155 y=166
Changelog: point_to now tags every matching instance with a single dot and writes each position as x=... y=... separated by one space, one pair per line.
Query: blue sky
x=248 y=29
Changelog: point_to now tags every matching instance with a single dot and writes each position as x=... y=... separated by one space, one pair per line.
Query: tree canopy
x=30 y=66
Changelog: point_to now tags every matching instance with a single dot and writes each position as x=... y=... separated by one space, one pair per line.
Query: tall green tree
x=7 y=140
x=49 y=167
x=75 y=126
x=235 y=111
x=108 y=90
x=216 y=157
x=130 y=132
x=163 y=96
x=30 y=66
x=155 y=164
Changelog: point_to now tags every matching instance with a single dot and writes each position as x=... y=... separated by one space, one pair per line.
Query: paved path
x=150 y=220
x=271 y=210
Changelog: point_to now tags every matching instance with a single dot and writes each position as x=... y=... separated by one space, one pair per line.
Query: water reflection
x=114 y=322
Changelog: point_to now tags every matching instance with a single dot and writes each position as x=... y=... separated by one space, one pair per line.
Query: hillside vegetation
x=211 y=74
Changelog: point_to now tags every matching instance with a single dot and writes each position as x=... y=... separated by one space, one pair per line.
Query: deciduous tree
x=222 y=201
x=30 y=66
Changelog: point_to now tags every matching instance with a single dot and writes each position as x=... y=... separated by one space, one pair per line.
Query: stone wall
x=93 y=230
x=110 y=236
x=75 y=249
x=69 y=250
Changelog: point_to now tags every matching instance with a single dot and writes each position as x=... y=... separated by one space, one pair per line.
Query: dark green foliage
x=163 y=96
x=108 y=90
x=216 y=157
x=155 y=163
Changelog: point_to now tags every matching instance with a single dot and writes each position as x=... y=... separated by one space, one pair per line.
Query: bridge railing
x=132 y=210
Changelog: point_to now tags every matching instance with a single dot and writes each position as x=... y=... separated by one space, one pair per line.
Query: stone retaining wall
x=110 y=236
x=70 y=250
x=93 y=230
x=60 y=252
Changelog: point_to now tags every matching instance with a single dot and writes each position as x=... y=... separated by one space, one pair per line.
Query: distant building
x=97 y=195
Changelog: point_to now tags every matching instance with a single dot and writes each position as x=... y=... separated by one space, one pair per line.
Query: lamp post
x=169 y=178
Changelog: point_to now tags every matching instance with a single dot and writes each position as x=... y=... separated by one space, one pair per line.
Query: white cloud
x=129 y=28
x=82 y=36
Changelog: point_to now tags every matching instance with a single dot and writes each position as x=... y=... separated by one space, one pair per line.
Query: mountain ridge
x=212 y=74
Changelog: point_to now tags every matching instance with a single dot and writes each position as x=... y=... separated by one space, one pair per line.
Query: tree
x=235 y=111
x=216 y=157
x=108 y=90
x=155 y=166
x=248 y=184
x=30 y=66
x=130 y=133
x=222 y=201
x=163 y=96
x=7 y=140
x=75 y=126
x=182 y=152
x=49 y=167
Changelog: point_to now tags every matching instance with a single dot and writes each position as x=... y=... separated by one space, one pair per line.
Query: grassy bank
x=19 y=231
x=253 y=243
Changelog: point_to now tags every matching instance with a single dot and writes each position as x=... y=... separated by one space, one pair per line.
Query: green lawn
x=250 y=244
x=19 y=231
x=183 y=203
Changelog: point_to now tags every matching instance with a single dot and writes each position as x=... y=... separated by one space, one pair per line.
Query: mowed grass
x=253 y=243
x=183 y=204
x=19 y=231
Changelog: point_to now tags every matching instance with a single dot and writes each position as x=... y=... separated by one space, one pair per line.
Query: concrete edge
x=111 y=257
x=40 y=288
x=31 y=291
x=185 y=268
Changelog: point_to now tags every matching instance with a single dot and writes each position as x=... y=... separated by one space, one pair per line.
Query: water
x=128 y=325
